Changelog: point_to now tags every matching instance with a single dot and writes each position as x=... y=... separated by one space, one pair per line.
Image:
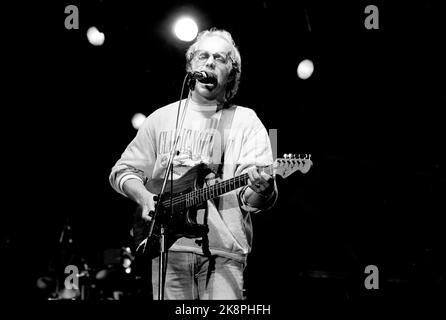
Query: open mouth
x=212 y=80
x=208 y=83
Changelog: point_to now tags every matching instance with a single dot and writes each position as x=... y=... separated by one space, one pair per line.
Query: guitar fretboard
x=198 y=196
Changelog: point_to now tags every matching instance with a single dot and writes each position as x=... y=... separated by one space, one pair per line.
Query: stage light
x=138 y=120
x=305 y=69
x=44 y=282
x=185 y=29
x=126 y=263
x=102 y=274
x=95 y=37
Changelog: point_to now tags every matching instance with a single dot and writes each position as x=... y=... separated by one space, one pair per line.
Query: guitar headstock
x=291 y=163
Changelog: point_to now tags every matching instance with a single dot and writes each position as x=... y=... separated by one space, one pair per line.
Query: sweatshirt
x=246 y=144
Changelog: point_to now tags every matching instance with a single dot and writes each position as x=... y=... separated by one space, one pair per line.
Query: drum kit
x=113 y=280
x=71 y=277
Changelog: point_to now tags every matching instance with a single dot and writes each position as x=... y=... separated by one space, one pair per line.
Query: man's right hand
x=148 y=207
x=135 y=190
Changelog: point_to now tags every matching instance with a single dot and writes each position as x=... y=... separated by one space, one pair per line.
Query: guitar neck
x=207 y=193
x=213 y=191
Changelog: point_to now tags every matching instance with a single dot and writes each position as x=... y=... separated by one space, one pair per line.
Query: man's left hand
x=261 y=183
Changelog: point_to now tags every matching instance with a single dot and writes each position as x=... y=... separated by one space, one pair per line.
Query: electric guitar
x=178 y=213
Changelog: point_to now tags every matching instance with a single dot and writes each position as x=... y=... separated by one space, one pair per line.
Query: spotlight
x=305 y=69
x=185 y=29
x=138 y=120
x=126 y=262
x=95 y=37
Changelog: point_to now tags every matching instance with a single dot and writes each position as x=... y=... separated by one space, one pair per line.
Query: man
x=211 y=267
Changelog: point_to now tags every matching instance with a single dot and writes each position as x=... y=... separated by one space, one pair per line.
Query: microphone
x=203 y=76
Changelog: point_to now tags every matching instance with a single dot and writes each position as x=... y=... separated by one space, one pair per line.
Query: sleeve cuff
x=125 y=178
x=269 y=203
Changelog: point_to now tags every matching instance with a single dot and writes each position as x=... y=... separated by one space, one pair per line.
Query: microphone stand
x=162 y=241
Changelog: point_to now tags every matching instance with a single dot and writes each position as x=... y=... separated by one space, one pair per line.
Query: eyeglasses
x=203 y=56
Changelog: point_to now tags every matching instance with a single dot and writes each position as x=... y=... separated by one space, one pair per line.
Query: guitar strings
x=197 y=193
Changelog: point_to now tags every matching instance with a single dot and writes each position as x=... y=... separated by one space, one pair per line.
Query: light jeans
x=191 y=276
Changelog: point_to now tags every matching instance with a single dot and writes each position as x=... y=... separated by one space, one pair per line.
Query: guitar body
x=179 y=222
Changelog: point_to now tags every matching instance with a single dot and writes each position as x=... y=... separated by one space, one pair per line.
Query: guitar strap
x=224 y=128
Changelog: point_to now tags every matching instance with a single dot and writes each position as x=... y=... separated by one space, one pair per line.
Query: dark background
x=370 y=116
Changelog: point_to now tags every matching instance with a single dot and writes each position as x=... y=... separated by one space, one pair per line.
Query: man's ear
x=232 y=74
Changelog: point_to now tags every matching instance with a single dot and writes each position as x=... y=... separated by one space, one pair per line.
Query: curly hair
x=236 y=71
